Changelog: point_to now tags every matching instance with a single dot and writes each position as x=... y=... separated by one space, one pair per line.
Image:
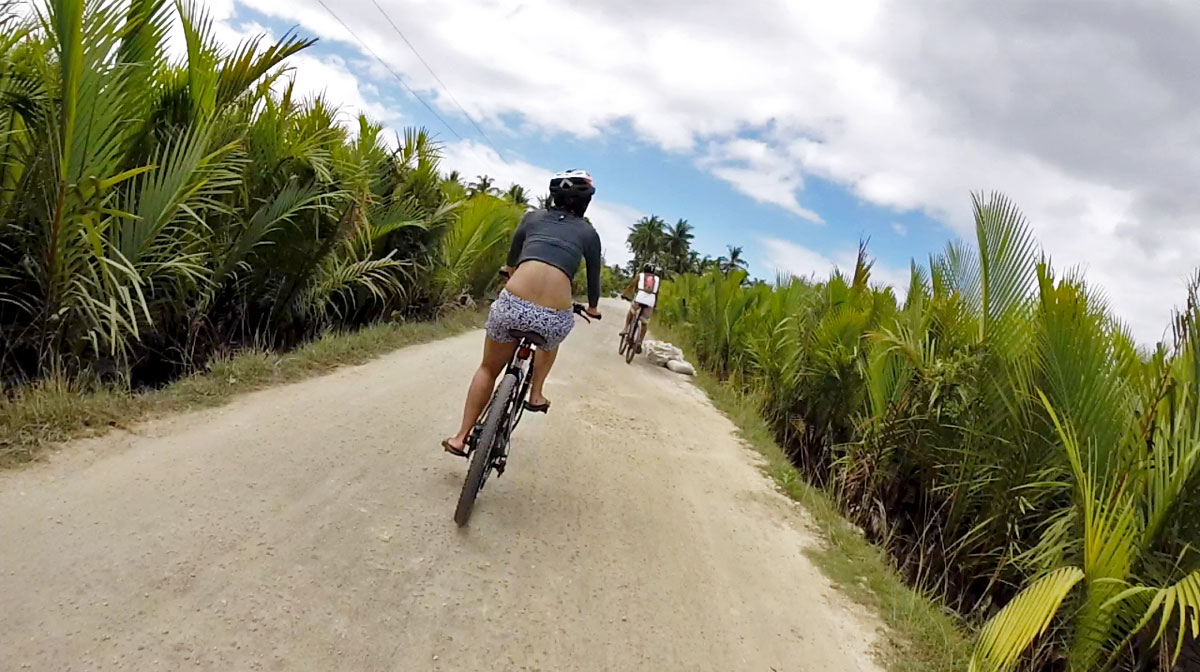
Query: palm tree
x=473 y=247
x=1044 y=452
x=517 y=196
x=188 y=205
x=482 y=185
x=544 y=201
x=647 y=240
x=734 y=262
x=679 y=245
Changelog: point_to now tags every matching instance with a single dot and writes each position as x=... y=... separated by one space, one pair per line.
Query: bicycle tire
x=481 y=457
x=635 y=331
x=623 y=345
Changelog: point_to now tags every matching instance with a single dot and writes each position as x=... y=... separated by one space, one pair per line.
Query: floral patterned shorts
x=512 y=312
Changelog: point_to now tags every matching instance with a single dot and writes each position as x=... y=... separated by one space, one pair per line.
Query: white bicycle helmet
x=575 y=183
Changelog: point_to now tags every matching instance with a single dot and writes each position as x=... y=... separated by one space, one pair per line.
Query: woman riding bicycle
x=545 y=254
x=641 y=304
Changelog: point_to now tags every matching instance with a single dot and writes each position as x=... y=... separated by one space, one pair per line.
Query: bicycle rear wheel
x=624 y=344
x=481 y=457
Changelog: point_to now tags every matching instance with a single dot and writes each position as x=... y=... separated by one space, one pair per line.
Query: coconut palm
x=647 y=240
x=679 y=246
x=482 y=185
x=517 y=196
x=733 y=262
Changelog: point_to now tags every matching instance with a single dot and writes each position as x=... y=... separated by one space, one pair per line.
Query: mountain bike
x=488 y=442
x=631 y=341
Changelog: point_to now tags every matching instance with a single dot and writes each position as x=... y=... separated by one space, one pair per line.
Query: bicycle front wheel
x=486 y=442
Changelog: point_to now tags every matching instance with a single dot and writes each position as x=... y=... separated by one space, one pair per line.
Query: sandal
x=537 y=408
x=460 y=452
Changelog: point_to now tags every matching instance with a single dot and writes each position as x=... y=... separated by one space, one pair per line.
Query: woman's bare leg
x=495 y=356
x=542 y=361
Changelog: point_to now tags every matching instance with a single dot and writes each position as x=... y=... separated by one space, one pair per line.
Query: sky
x=794 y=128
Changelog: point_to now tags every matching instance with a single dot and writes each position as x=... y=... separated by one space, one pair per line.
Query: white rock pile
x=665 y=354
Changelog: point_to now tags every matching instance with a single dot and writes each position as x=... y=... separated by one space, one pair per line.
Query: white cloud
x=1081 y=110
x=471 y=159
x=332 y=79
x=900 y=229
x=754 y=168
x=611 y=220
x=344 y=86
x=788 y=258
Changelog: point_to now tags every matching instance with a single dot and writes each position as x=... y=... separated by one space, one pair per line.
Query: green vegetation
x=670 y=248
x=193 y=220
x=155 y=214
x=925 y=637
x=997 y=432
x=613 y=280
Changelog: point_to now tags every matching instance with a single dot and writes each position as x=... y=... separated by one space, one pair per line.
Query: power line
x=386 y=67
x=428 y=67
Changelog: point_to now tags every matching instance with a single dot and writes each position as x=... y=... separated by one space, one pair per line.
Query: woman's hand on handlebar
x=505 y=272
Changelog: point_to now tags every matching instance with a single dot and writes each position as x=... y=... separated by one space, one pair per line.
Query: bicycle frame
x=494 y=427
x=521 y=365
x=639 y=312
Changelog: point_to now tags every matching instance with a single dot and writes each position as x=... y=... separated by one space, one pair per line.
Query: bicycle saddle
x=531 y=336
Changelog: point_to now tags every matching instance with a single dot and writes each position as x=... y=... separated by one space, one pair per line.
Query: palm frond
x=1010 y=632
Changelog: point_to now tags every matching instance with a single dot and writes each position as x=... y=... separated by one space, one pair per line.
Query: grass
x=58 y=410
x=923 y=636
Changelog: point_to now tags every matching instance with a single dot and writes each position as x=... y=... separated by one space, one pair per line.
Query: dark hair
x=575 y=204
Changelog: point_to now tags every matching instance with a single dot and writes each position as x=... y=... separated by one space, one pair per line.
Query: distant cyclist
x=546 y=250
x=642 y=291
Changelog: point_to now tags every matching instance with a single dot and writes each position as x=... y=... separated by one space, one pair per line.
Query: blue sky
x=793 y=128
x=648 y=179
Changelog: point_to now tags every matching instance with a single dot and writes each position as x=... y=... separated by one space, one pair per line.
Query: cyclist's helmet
x=650 y=268
x=572 y=190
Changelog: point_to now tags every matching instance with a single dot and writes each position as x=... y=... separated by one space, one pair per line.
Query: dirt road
x=308 y=527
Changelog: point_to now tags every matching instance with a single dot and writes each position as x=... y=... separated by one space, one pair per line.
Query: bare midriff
x=540 y=283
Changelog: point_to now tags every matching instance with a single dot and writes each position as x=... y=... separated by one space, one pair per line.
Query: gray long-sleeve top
x=561 y=239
